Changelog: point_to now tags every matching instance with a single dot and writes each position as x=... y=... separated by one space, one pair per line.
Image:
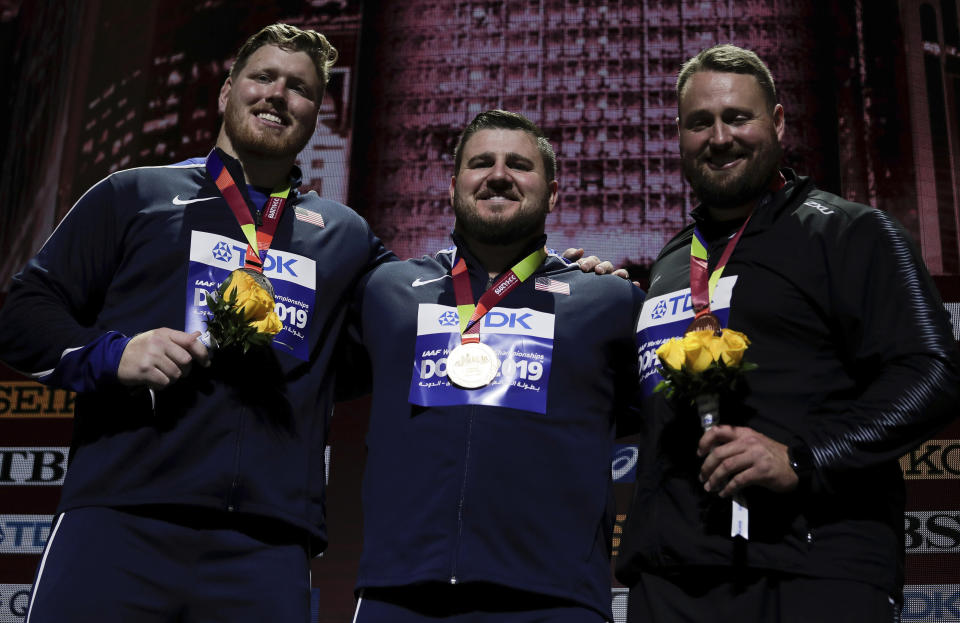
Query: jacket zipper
x=463 y=484
x=463 y=492
x=235 y=485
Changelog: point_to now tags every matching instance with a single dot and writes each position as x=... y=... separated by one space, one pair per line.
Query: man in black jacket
x=792 y=508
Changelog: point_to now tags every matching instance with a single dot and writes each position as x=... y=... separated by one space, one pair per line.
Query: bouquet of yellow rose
x=702 y=362
x=242 y=311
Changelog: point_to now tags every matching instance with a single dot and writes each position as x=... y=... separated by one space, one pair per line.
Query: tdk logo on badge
x=448 y=319
x=492 y=320
x=228 y=254
x=432 y=318
x=678 y=305
x=496 y=319
x=222 y=252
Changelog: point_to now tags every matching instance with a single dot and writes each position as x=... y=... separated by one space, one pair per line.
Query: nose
x=720 y=135
x=276 y=91
x=499 y=176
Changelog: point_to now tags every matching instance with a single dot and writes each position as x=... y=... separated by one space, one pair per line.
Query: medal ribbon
x=471 y=314
x=701 y=288
x=258 y=239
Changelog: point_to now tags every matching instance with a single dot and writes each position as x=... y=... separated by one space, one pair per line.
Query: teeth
x=268 y=117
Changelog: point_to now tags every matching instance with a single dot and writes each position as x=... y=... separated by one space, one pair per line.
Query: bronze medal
x=706 y=321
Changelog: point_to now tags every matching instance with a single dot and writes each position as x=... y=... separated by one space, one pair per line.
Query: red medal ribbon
x=470 y=315
x=259 y=235
x=702 y=286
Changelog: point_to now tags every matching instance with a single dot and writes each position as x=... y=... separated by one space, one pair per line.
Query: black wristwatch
x=801 y=460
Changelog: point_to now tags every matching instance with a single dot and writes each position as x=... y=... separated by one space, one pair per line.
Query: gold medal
x=472 y=365
x=260 y=279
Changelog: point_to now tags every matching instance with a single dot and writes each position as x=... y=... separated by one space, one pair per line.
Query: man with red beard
x=498 y=374
x=791 y=508
x=196 y=484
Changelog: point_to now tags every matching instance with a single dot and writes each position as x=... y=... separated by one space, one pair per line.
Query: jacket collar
x=473 y=264
x=236 y=171
x=771 y=206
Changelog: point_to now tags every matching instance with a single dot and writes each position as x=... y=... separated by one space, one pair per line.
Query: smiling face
x=729 y=141
x=501 y=195
x=270 y=107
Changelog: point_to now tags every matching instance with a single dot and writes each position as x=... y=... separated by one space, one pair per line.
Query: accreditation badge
x=517 y=349
x=669 y=315
x=291 y=282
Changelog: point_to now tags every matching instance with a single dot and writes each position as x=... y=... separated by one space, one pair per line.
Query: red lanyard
x=470 y=314
x=258 y=239
x=702 y=287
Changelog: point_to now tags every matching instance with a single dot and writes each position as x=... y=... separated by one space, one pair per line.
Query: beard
x=500 y=228
x=244 y=138
x=723 y=191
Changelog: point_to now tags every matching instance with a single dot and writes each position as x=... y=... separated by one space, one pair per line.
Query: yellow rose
x=253 y=302
x=671 y=354
x=711 y=342
x=270 y=324
x=734 y=344
x=697 y=350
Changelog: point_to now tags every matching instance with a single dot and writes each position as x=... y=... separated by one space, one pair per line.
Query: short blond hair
x=291 y=39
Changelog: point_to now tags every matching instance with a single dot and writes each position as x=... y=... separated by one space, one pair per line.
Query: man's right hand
x=159 y=357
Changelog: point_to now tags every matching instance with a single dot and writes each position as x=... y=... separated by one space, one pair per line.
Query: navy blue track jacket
x=245 y=435
x=491 y=492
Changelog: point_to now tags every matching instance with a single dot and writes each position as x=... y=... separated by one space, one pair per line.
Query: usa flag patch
x=546 y=284
x=308 y=216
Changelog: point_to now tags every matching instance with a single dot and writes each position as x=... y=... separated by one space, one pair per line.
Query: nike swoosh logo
x=417 y=282
x=177 y=201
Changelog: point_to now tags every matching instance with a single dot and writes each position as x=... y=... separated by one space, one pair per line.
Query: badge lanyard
x=258 y=239
x=702 y=287
x=471 y=314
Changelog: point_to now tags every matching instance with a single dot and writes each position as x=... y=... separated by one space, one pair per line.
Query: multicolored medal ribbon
x=242 y=310
x=473 y=364
x=259 y=235
x=702 y=287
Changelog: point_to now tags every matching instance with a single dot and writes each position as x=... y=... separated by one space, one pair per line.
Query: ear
x=453 y=188
x=553 y=186
x=778 y=121
x=224 y=94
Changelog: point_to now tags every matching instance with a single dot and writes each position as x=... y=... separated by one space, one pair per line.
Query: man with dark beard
x=196 y=484
x=791 y=509
x=498 y=374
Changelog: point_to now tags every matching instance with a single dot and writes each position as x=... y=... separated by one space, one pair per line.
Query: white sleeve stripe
x=356 y=613
x=43 y=562
x=44 y=373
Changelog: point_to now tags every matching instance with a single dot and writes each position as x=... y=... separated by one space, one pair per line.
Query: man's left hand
x=738 y=456
x=592 y=264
